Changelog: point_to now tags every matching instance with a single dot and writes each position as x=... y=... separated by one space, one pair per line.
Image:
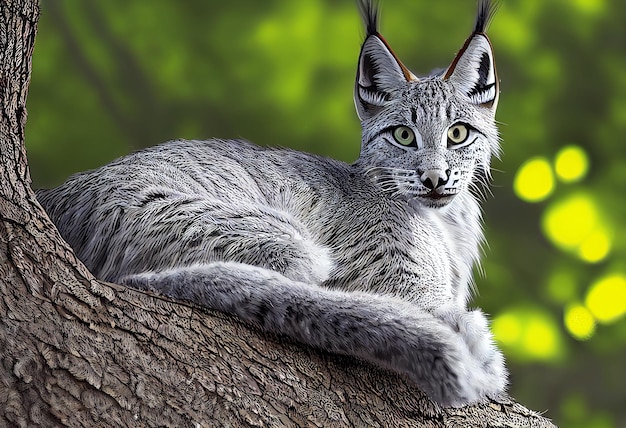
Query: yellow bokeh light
x=569 y=222
x=528 y=333
x=575 y=224
x=507 y=328
x=606 y=298
x=571 y=164
x=541 y=338
x=595 y=247
x=534 y=180
x=579 y=322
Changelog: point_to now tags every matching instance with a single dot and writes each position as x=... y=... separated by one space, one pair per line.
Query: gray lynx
x=372 y=260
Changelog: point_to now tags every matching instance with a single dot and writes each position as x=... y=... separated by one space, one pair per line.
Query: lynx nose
x=433 y=178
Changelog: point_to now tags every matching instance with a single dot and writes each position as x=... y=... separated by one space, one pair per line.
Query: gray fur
x=372 y=260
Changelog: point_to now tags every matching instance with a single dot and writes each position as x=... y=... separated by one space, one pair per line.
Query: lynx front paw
x=474 y=328
x=477 y=363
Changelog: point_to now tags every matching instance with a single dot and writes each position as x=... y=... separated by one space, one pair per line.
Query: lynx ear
x=473 y=71
x=379 y=72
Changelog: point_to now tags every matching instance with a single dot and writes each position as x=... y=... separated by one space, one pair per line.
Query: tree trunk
x=78 y=352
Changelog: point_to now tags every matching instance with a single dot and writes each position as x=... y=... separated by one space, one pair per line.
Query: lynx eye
x=459 y=135
x=404 y=135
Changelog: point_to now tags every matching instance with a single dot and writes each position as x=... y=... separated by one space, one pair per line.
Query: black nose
x=433 y=178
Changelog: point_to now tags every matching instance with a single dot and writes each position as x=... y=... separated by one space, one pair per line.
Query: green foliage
x=114 y=76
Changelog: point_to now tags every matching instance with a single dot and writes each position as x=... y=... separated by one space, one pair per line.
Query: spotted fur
x=372 y=260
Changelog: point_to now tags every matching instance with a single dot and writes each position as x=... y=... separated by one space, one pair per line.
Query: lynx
x=372 y=259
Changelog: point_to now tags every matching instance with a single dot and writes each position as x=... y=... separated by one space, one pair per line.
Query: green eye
x=404 y=135
x=457 y=134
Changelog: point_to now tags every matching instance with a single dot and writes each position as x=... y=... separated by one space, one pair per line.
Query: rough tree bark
x=78 y=352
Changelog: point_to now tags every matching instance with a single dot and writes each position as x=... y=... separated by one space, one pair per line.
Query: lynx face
x=427 y=139
x=432 y=148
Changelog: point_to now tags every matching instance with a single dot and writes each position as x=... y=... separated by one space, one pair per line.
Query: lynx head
x=427 y=139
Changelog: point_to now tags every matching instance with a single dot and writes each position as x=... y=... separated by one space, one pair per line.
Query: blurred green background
x=114 y=76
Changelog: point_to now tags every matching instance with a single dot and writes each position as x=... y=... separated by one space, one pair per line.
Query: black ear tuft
x=369 y=12
x=379 y=72
x=473 y=71
x=486 y=11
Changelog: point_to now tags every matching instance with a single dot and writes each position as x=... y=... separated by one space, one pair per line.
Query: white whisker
x=396 y=181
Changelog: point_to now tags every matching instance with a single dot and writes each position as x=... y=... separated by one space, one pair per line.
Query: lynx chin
x=372 y=259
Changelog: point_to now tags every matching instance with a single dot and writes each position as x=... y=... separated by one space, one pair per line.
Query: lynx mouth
x=436 y=199
x=435 y=195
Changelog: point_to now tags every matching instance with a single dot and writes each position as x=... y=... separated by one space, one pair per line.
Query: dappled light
x=571 y=164
x=528 y=334
x=579 y=321
x=574 y=224
x=596 y=247
x=534 y=180
x=606 y=298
